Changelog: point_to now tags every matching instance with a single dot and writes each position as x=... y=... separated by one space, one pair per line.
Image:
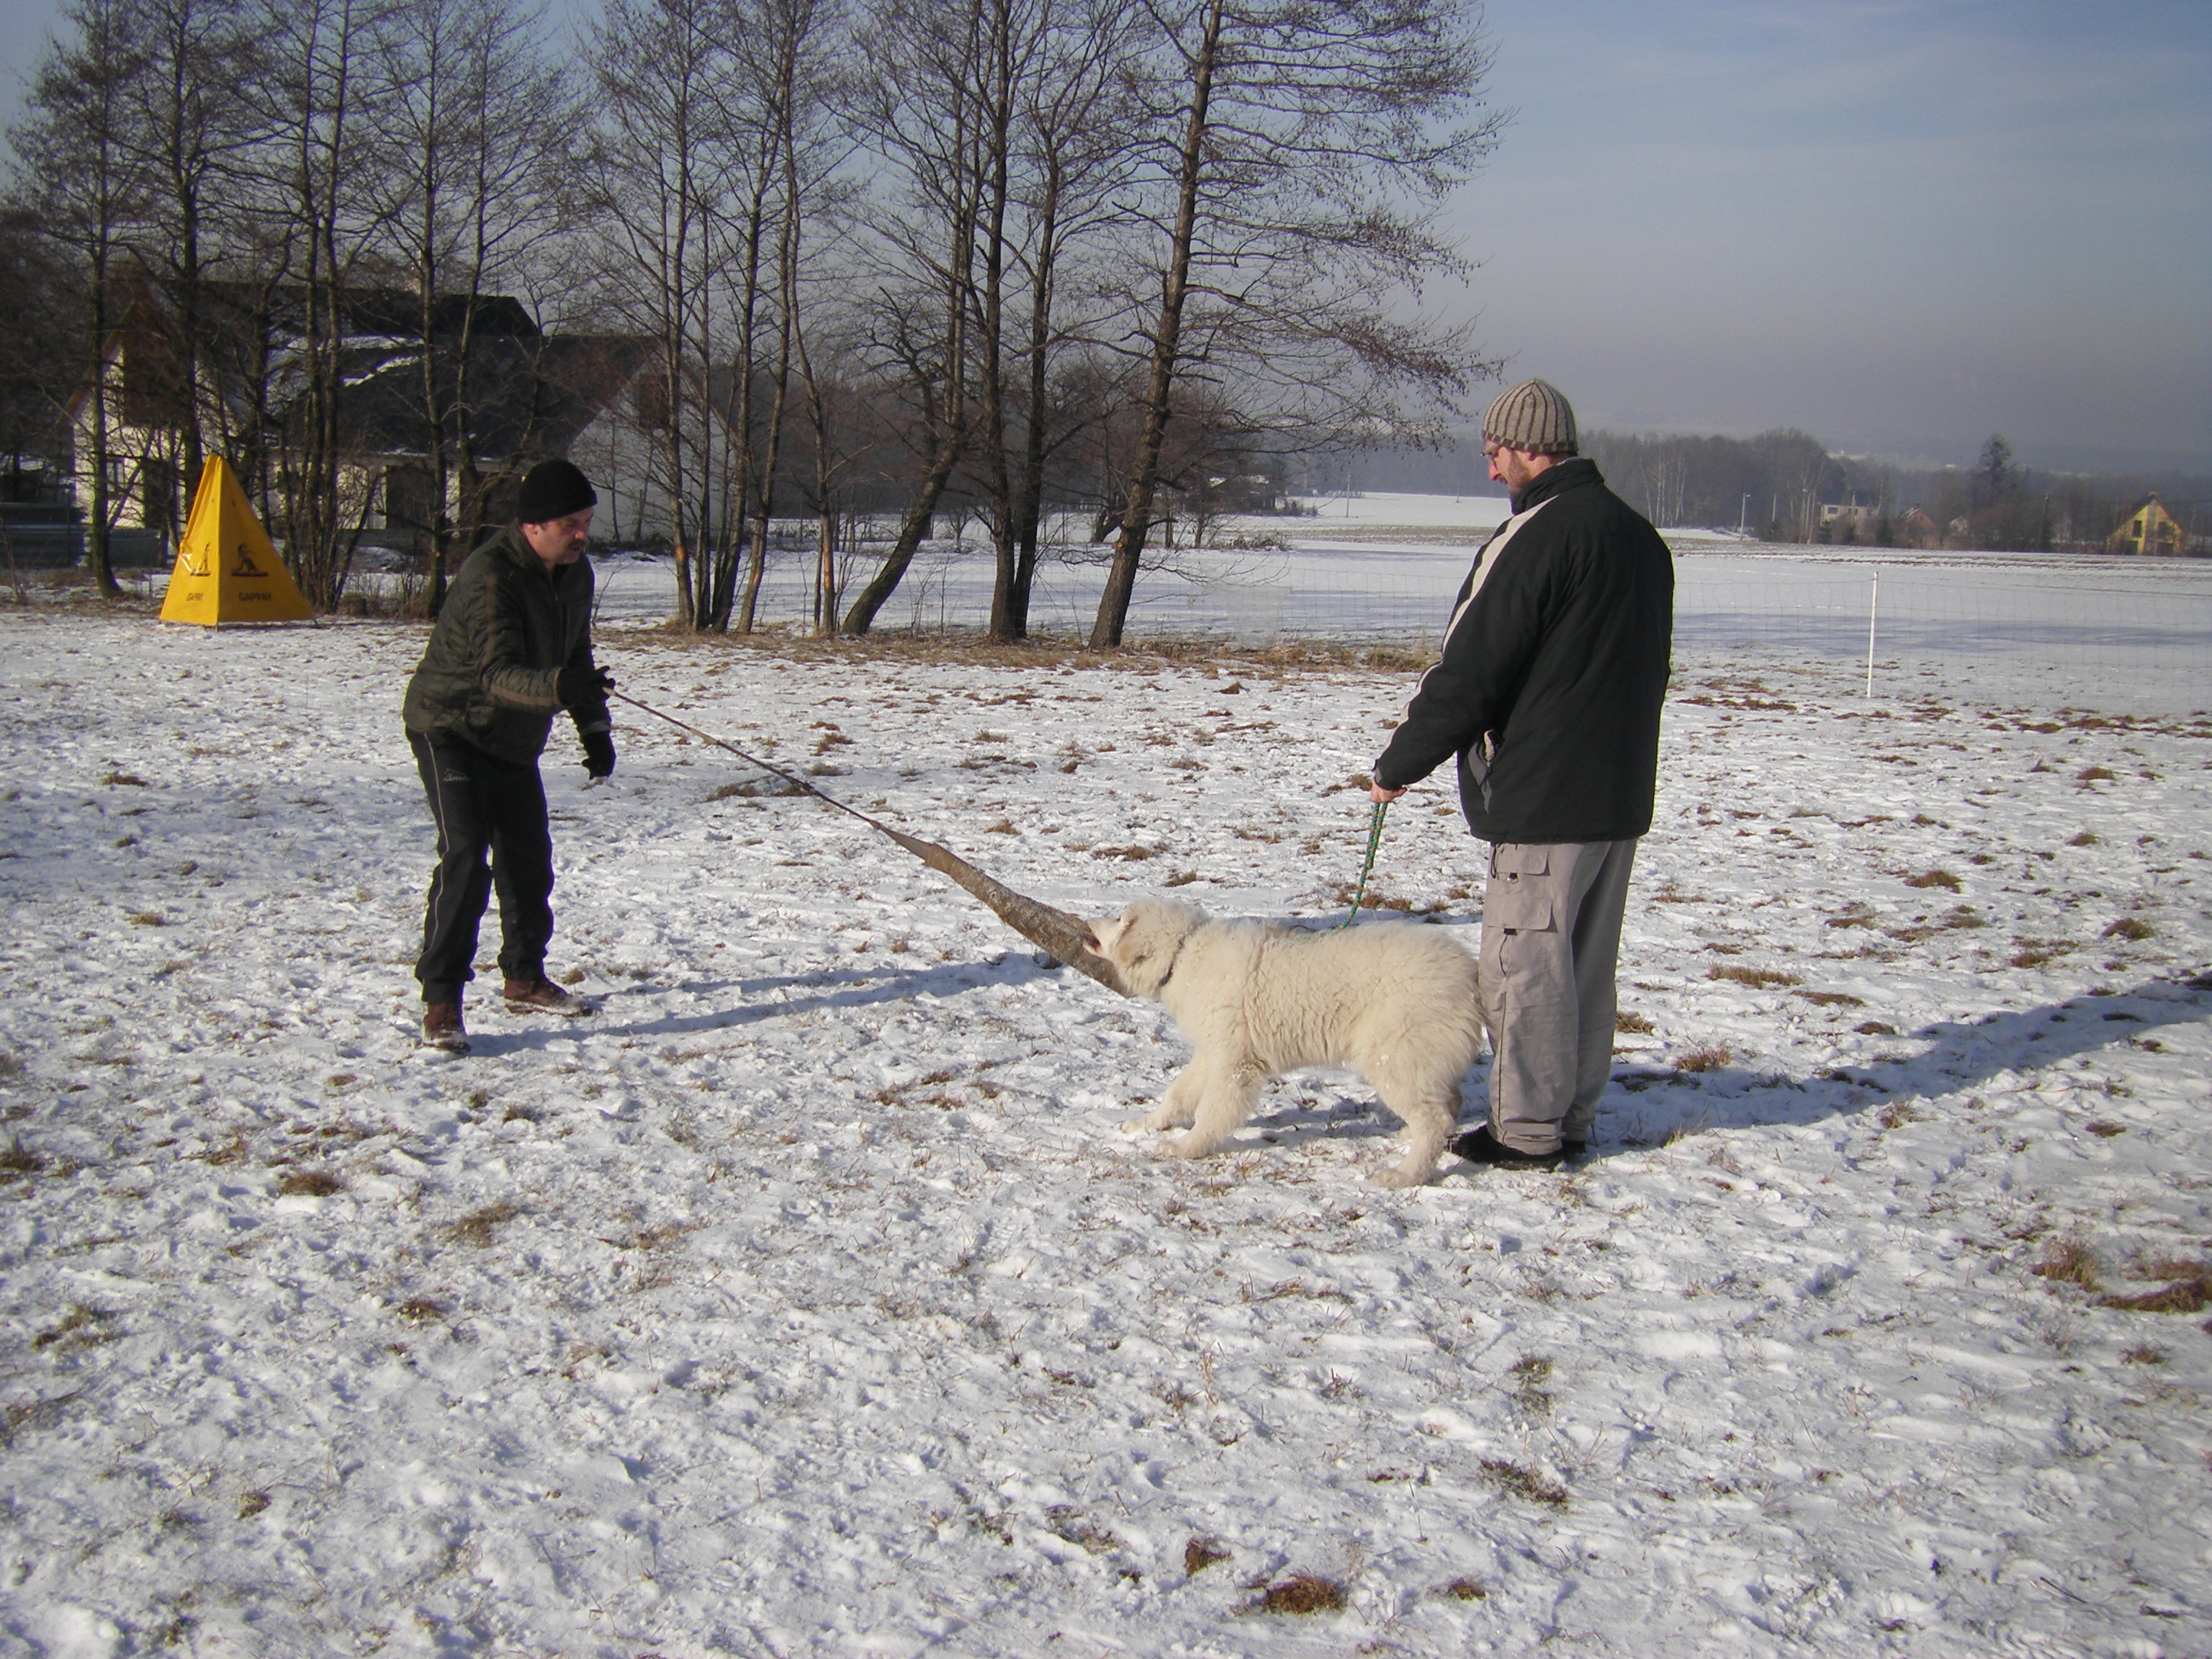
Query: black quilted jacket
x=509 y=626
x=1553 y=672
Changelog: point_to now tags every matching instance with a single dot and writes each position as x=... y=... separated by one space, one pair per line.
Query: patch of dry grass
x=80 y=1328
x=1709 y=1058
x=1524 y=1483
x=2188 y=1289
x=2068 y=1261
x=1070 y=1526
x=17 y=1159
x=1199 y=1554
x=1934 y=878
x=1301 y=1594
x=309 y=1183
x=477 y=1228
x=1757 y=978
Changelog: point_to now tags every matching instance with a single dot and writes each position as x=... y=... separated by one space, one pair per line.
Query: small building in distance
x=2150 y=528
x=1918 y=529
x=1849 y=521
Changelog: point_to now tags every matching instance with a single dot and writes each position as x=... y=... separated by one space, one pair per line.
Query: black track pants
x=484 y=806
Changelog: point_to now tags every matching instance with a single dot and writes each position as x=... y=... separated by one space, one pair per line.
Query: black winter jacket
x=509 y=626
x=1553 y=672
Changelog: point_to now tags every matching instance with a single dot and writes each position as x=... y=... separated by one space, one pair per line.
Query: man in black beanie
x=511 y=648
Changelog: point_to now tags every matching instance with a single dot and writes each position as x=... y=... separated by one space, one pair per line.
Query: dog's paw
x=1191 y=1146
x=1160 y=1117
x=1401 y=1175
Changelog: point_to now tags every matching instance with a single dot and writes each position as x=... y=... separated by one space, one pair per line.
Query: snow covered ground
x=2014 y=627
x=807 y=1301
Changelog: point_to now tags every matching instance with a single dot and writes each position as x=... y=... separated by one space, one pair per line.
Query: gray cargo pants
x=1551 y=939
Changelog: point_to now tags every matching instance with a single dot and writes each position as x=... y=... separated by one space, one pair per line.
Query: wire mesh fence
x=2102 y=631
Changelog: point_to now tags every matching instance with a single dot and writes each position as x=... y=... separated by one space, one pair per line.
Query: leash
x=792 y=778
x=1065 y=937
x=1374 y=841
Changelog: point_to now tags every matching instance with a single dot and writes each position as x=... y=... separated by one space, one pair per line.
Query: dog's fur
x=1396 y=1002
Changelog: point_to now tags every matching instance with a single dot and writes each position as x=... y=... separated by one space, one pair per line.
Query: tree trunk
x=1128 y=548
x=997 y=80
x=914 y=524
x=96 y=528
x=1029 y=487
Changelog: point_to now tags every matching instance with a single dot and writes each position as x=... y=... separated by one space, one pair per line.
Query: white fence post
x=1874 y=605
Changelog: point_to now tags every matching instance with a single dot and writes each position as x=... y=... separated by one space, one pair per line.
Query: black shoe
x=1479 y=1146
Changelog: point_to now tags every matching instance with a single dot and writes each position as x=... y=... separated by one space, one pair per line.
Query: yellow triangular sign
x=228 y=570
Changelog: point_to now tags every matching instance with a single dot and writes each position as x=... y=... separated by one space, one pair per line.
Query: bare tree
x=666 y=182
x=325 y=150
x=792 y=56
x=1301 y=147
x=84 y=187
x=190 y=130
x=922 y=114
x=1001 y=123
x=480 y=123
x=1070 y=142
x=34 y=388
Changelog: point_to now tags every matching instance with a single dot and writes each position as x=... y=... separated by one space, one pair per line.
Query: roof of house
x=523 y=394
x=387 y=313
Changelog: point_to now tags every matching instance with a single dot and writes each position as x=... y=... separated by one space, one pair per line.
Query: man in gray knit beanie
x=1548 y=691
x=1533 y=418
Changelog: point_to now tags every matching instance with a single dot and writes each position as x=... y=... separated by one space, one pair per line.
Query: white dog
x=1395 y=1000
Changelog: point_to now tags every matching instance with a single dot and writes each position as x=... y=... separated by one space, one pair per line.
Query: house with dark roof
x=517 y=392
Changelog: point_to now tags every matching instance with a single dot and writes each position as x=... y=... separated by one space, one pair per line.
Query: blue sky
x=1902 y=226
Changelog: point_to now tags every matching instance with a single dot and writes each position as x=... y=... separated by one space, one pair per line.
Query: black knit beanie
x=554 y=489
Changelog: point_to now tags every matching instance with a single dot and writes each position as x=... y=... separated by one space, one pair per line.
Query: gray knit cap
x=1534 y=416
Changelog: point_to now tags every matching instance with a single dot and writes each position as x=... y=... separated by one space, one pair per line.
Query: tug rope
x=1066 y=938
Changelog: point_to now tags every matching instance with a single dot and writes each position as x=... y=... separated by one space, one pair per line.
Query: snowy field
x=1375 y=567
x=807 y=1301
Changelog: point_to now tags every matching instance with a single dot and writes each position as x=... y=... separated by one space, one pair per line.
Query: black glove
x=575 y=685
x=599 y=753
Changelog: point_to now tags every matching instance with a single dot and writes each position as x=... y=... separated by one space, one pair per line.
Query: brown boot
x=542 y=996
x=442 y=1029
